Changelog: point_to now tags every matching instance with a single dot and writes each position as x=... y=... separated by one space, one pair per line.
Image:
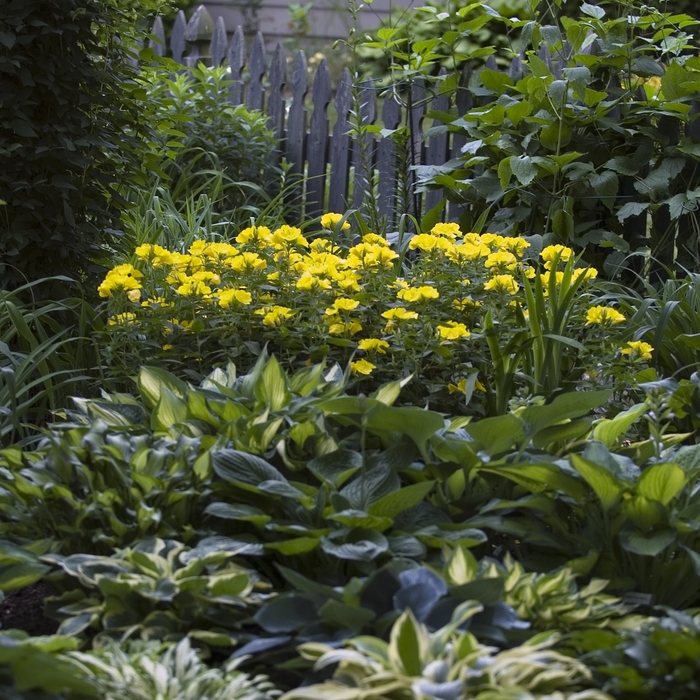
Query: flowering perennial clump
x=316 y=298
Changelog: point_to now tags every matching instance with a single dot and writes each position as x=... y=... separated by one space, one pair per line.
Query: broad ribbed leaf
x=243 y=468
x=408 y=646
x=599 y=479
x=661 y=482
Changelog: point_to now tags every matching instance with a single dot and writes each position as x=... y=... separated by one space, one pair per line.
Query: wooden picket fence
x=330 y=164
x=328 y=159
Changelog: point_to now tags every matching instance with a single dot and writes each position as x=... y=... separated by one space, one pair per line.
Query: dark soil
x=24 y=610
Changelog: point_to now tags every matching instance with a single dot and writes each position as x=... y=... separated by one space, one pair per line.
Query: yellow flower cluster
x=122 y=278
x=637 y=350
x=604 y=315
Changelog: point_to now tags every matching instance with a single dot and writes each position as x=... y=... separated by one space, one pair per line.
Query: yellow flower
x=246 y=261
x=373 y=345
x=638 y=350
x=467 y=251
x=330 y=221
x=375 y=239
x=274 y=315
x=503 y=283
x=230 y=295
x=286 y=236
x=399 y=314
x=426 y=241
x=218 y=251
x=122 y=278
x=125 y=318
x=452 y=331
x=459 y=388
x=448 y=230
x=348 y=281
x=254 y=234
x=362 y=367
x=493 y=240
x=515 y=245
x=134 y=295
x=342 y=304
x=307 y=282
x=603 y=315
x=418 y=294
x=551 y=251
x=502 y=261
x=339 y=327
x=167 y=347
x=193 y=288
x=588 y=273
x=369 y=255
x=464 y=304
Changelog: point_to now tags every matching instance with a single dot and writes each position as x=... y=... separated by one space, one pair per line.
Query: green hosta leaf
x=608 y=430
x=496 y=434
x=461 y=567
x=170 y=411
x=357 y=544
x=298 y=545
x=388 y=393
x=346 y=617
x=370 y=487
x=150 y=383
x=394 y=503
x=450 y=534
x=243 y=469
x=662 y=482
x=419 y=424
x=230 y=584
x=647 y=545
x=272 y=386
x=358 y=518
x=335 y=467
x=488 y=591
x=22 y=574
x=644 y=512
x=599 y=479
x=306 y=380
x=408 y=646
x=565 y=407
x=238 y=511
x=538 y=478
x=524 y=169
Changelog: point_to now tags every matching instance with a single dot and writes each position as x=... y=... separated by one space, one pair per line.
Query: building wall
x=329 y=19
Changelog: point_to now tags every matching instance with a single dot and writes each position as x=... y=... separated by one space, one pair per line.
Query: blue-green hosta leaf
x=336 y=467
x=287 y=613
x=238 y=511
x=407 y=546
x=650 y=545
x=369 y=487
x=170 y=411
x=243 y=469
x=450 y=534
x=218 y=548
x=357 y=544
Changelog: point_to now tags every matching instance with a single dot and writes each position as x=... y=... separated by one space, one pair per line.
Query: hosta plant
x=449 y=663
x=160 y=589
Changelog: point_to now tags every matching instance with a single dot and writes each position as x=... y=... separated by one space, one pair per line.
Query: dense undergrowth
x=325 y=462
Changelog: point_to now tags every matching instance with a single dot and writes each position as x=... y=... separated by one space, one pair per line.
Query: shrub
x=71 y=116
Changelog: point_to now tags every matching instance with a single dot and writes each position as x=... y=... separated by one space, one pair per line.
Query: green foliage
x=447 y=663
x=45 y=354
x=582 y=145
x=200 y=136
x=656 y=659
x=159 y=589
x=72 y=117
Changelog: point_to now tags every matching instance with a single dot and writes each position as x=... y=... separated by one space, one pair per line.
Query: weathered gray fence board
x=256 y=66
x=236 y=61
x=317 y=142
x=340 y=146
x=386 y=160
x=363 y=153
x=437 y=150
x=276 y=103
x=219 y=43
x=157 y=44
x=177 y=38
